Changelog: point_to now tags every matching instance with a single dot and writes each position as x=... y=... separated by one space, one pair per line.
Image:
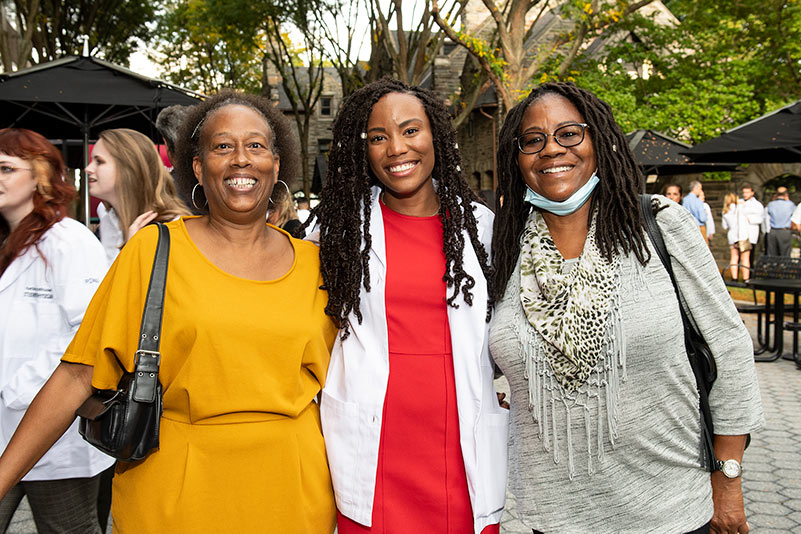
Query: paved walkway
x=772 y=463
x=772 y=477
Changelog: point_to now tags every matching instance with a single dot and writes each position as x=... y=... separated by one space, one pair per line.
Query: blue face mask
x=567 y=206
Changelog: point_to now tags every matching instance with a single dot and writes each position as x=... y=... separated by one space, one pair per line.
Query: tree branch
x=503 y=93
x=631 y=8
x=578 y=41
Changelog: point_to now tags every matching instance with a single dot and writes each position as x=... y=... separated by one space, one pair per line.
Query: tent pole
x=84 y=178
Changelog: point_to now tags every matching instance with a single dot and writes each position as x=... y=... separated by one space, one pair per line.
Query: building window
x=326 y=106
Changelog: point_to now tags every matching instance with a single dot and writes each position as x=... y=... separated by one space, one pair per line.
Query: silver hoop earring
x=193 y=198
x=288 y=192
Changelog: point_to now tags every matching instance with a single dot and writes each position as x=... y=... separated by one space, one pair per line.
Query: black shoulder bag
x=701 y=359
x=124 y=423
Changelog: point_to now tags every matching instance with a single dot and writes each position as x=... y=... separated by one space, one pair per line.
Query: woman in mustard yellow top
x=245 y=348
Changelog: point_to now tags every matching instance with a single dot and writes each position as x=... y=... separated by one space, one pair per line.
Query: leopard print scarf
x=570 y=310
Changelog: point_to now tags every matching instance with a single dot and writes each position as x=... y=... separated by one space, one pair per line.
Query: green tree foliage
x=528 y=38
x=36 y=31
x=246 y=45
x=728 y=61
x=210 y=44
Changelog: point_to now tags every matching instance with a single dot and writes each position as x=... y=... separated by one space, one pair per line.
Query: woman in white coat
x=415 y=436
x=750 y=214
x=50 y=266
x=729 y=221
x=127 y=174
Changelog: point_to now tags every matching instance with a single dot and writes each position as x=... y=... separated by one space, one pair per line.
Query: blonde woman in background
x=127 y=174
x=282 y=211
x=729 y=222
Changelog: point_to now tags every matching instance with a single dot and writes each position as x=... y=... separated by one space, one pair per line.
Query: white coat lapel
x=378 y=244
x=468 y=330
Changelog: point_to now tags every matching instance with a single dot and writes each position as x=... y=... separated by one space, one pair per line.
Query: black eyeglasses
x=567 y=136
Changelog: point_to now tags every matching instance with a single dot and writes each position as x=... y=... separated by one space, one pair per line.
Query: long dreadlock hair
x=619 y=225
x=344 y=209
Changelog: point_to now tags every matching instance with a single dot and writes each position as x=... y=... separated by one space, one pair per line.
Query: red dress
x=420 y=484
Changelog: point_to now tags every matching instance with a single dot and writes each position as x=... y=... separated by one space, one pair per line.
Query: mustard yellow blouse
x=241 y=448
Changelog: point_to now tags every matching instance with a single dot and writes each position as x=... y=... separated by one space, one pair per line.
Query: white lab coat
x=110 y=231
x=42 y=302
x=353 y=398
x=729 y=220
x=750 y=216
x=710 y=221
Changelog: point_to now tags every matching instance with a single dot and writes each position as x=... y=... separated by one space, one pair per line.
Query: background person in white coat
x=710 y=220
x=50 y=266
x=416 y=439
x=751 y=214
x=729 y=222
x=127 y=174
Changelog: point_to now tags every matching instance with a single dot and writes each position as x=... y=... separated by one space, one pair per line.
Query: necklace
x=439 y=204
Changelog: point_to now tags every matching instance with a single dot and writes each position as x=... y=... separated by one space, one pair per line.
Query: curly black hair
x=619 y=226
x=284 y=142
x=344 y=210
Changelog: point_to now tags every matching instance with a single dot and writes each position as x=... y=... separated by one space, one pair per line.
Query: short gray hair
x=169 y=122
x=694 y=184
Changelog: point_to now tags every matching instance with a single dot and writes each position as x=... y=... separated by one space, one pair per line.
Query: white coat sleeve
x=77 y=269
x=754 y=212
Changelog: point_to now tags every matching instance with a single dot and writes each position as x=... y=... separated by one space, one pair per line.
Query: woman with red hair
x=50 y=266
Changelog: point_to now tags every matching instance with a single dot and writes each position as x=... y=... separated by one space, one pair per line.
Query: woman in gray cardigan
x=605 y=427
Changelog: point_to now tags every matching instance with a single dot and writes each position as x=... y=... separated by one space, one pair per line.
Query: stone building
x=320 y=125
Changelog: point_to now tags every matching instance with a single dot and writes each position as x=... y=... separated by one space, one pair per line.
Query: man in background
x=695 y=205
x=779 y=212
x=303 y=208
x=168 y=124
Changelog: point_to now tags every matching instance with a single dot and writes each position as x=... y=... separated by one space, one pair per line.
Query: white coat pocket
x=493 y=433
x=340 y=422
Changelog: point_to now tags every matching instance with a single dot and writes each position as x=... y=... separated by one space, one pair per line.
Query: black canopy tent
x=656 y=153
x=78 y=97
x=771 y=138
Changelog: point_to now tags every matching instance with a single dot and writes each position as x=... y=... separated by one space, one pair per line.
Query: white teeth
x=402 y=167
x=240 y=182
x=556 y=169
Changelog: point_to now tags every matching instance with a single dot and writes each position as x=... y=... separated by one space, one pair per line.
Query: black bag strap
x=148 y=357
x=692 y=337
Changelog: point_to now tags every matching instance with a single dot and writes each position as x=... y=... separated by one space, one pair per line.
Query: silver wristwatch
x=730 y=468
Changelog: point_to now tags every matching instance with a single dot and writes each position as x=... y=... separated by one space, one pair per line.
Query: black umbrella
x=78 y=97
x=656 y=153
x=772 y=138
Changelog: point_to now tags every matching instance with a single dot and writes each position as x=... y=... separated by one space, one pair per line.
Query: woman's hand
x=727 y=496
x=141 y=221
x=501 y=401
x=727 y=493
